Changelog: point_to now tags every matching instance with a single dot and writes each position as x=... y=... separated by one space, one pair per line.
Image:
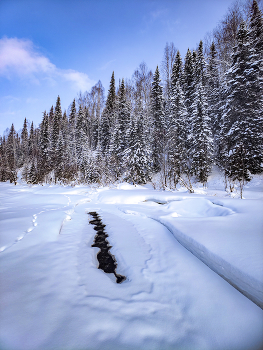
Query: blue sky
x=60 y=47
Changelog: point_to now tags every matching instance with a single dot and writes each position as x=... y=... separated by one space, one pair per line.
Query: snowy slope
x=54 y=297
x=226 y=234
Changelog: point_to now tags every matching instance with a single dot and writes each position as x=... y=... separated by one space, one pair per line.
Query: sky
x=61 y=47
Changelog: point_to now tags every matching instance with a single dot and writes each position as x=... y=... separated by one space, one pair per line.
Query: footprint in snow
x=19 y=238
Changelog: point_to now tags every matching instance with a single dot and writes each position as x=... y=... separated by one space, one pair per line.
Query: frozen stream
x=53 y=296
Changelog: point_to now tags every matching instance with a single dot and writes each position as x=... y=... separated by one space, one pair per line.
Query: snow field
x=54 y=297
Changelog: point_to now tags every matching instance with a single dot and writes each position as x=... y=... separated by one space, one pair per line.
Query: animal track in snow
x=20 y=237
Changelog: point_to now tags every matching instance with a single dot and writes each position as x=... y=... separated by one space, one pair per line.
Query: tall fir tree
x=256 y=58
x=189 y=92
x=240 y=135
x=201 y=149
x=177 y=72
x=213 y=90
x=24 y=141
x=157 y=112
x=4 y=173
x=11 y=155
x=81 y=138
x=108 y=119
x=137 y=155
x=178 y=157
x=72 y=137
x=202 y=144
x=44 y=166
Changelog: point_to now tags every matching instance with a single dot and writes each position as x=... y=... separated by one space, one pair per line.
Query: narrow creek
x=107 y=261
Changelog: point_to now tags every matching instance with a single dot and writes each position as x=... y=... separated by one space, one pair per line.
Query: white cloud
x=19 y=57
x=81 y=81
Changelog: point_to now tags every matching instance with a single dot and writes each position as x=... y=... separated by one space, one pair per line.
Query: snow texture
x=173 y=247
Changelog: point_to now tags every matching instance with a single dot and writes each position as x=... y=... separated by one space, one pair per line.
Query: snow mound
x=127 y=186
x=127 y=195
x=199 y=207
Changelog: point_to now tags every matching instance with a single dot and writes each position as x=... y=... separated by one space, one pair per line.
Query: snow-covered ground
x=173 y=247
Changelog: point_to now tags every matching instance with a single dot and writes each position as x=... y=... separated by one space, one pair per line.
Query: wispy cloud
x=106 y=65
x=161 y=16
x=19 y=57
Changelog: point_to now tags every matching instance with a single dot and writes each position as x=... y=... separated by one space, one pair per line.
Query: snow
x=173 y=247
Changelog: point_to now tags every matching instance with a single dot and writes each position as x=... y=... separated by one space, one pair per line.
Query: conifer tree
x=32 y=177
x=256 y=32
x=81 y=136
x=201 y=74
x=72 y=136
x=51 y=117
x=58 y=111
x=189 y=92
x=256 y=59
x=202 y=146
x=4 y=176
x=137 y=155
x=31 y=141
x=108 y=119
x=240 y=135
x=11 y=154
x=213 y=90
x=178 y=157
x=55 y=135
x=177 y=72
x=158 y=122
x=24 y=141
x=44 y=147
x=61 y=157
x=123 y=117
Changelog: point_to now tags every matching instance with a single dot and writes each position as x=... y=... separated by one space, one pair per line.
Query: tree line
x=206 y=110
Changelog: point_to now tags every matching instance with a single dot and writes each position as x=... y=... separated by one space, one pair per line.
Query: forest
x=173 y=124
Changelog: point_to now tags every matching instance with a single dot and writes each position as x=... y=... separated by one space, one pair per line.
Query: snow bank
x=225 y=234
x=232 y=247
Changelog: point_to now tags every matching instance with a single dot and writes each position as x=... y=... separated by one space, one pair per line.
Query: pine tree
x=72 y=139
x=202 y=146
x=119 y=140
x=108 y=119
x=213 y=89
x=256 y=32
x=61 y=155
x=24 y=141
x=51 y=117
x=189 y=92
x=137 y=155
x=177 y=72
x=81 y=137
x=177 y=134
x=158 y=122
x=123 y=117
x=32 y=177
x=31 y=141
x=4 y=173
x=201 y=75
x=55 y=134
x=11 y=155
x=44 y=147
x=240 y=134
x=58 y=110
x=256 y=60
x=200 y=151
